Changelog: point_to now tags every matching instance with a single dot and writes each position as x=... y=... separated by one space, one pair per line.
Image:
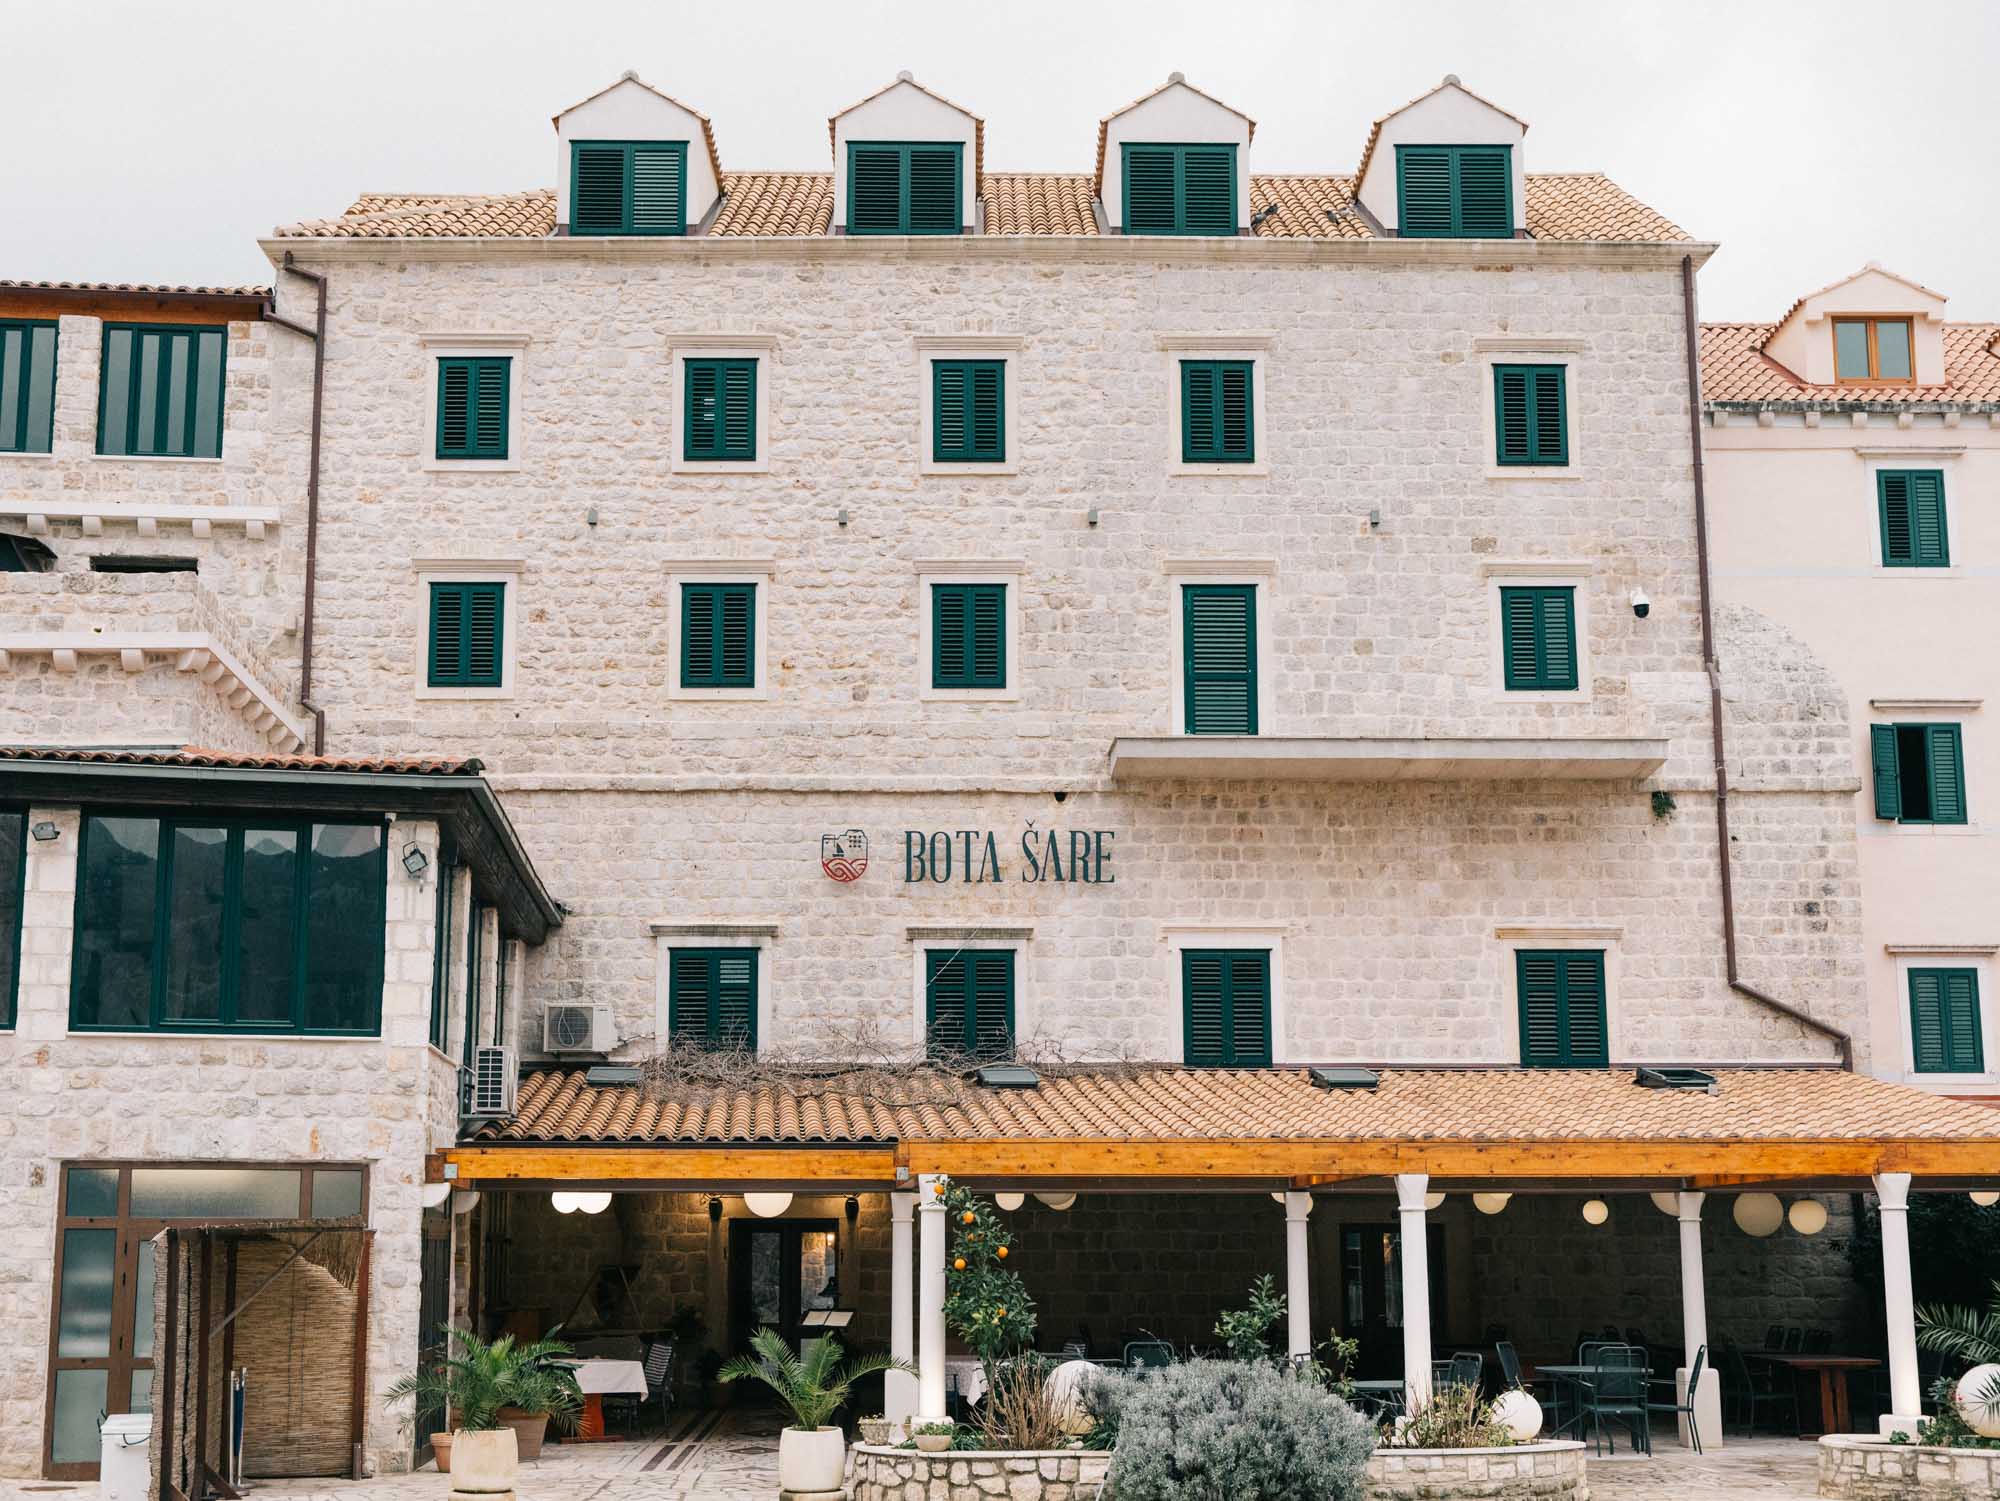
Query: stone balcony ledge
x=1385 y=759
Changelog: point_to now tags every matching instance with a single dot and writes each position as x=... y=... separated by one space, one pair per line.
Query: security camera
x=1641 y=606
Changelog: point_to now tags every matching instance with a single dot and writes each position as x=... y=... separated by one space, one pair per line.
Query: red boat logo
x=844 y=856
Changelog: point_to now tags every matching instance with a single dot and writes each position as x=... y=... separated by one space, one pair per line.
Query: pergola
x=1294 y=1132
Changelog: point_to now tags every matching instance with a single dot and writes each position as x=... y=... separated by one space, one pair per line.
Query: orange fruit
x=1001 y=1252
x=968 y=1217
x=958 y=1265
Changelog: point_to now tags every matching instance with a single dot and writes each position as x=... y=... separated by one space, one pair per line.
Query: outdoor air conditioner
x=578 y=1029
x=494 y=1075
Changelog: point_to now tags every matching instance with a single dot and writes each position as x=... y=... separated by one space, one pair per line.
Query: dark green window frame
x=628 y=187
x=1564 y=1017
x=1226 y=1008
x=13 y=898
x=1919 y=772
x=969 y=411
x=1944 y=1022
x=1530 y=415
x=473 y=407
x=1455 y=192
x=1218 y=411
x=361 y=932
x=712 y=997
x=468 y=635
x=720 y=410
x=969 y=1002
x=1538 y=638
x=1910 y=503
x=718 y=635
x=1219 y=660
x=968 y=636
x=1183 y=188
x=444 y=872
x=929 y=187
x=141 y=415
x=27 y=385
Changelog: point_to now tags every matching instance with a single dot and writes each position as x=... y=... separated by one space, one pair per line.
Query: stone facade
x=1861 y=1469
x=1513 y=1474
x=884 y=1474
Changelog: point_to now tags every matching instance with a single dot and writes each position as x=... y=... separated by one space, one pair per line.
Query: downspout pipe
x=317 y=333
x=1716 y=742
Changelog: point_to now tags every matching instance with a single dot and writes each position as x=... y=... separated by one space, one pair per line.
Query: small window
x=1872 y=350
x=969 y=1002
x=1919 y=772
x=1530 y=414
x=712 y=997
x=472 y=407
x=1944 y=1021
x=13 y=884
x=1179 y=190
x=27 y=385
x=1226 y=1007
x=1913 y=529
x=968 y=635
x=161 y=391
x=468 y=622
x=718 y=635
x=1538 y=627
x=1217 y=412
x=904 y=188
x=1219 y=654
x=721 y=410
x=112 y=562
x=969 y=412
x=1455 y=192
x=1562 y=1008
x=628 y=188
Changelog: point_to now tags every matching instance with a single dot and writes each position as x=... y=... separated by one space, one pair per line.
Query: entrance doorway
x=780 y=1270
x=1371 y=1275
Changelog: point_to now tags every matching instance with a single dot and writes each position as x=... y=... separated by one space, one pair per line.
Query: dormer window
x=904 y=188
x=1455 y=192
x=1872 y=351
x=628 y=188
x=1179 y=190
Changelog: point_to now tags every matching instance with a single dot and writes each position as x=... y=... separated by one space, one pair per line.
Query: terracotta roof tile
x=429 y=216
x=1038 y=203
x=148 y=288
x=1306 y=208
x=775 y=203
x=191 y=756
x=1590 y=206
x=1734 y=367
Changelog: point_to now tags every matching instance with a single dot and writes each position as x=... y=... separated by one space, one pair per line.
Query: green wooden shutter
x=1485 y=191
x=1204 y=1031
x=27 y=385
x=992 y=1035
x=946 y=1009
x=1248 y=980
x=1945 y=760
x=969 y=1000
x=968 y=635
x=721 y=422
x=1944 y=1022
x=874 y=189
x=718 y=635
x=1423 y=192
x=659 y=188
x=597 y=188
x=1179 y=189
x=1226 y=1008
x=712 y=997
x=1888 y=770
x=1538 y=638
x=934 y=195
x=1913 y=518
x=968 y=411
x=472 y=408
x=1208 y=190
x=1455 y=192
x=1562 y=1008
x=907 y=188
x=1150 y=198
x=467 y=635
x=160 y=391
x=1219 y=653
x=1217 y=412
x=1530 y=417
x=628 y=188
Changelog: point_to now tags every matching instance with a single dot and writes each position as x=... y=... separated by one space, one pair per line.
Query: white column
x=1694 y=1327
x=899 y=1388
x=1410 y=1191
x=1905 y=1395
x=1298 y=1276
x=930 y=1297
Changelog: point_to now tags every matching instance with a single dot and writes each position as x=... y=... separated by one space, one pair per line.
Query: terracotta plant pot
x=812 y=1459
x=530 y=1428
x=484 y=1463
x=441 y=1448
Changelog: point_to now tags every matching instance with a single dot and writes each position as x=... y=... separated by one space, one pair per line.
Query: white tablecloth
x=967 y=1378
x=596 y=1377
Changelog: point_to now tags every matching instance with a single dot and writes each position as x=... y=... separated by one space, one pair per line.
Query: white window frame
x=1262 y=575
x=668 y=936
x=1975 y=957
x=971 y=940
x=439 y=347
x=757 y=571
x=1915 y=712
x=1530 y=350
x=1537 y=573
x=1510 y=939
x=946 y=571
x=1195 y=935
x=1873 y=461
x=1002 y=347
x=1254 y=347
x=505 y=571
x=684 y=347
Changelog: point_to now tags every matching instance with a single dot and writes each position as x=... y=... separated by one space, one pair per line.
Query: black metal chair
x=1616 y=1390
x=1774 y=1337
x=660 y=1377
x=1680 y=1406
x=1148 y=1354
x=1795 y=1341
x=1754 y=1388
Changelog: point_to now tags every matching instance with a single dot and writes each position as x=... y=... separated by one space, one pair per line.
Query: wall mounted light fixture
x=45 y=830
x=415 y=861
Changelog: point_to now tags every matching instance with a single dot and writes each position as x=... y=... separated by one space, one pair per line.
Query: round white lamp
x=593 y=1203
x=1277 y=1198
x=1490 y=1203
x=1595 y=1211
x=1667 y=1203
x=1808 y=1216
x=1431 y=1201
x=1010 y=1202
x=464 y=1200
x=563 y=1203
x=1065 y=1386
x=768 y=1205
x=1985 y=1198
x=1758 y=1214
x=1519 y=1413
x=1057 y=1201
x=1982 y=1417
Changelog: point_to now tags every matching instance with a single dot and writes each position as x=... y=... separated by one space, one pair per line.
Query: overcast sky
x=155 y=141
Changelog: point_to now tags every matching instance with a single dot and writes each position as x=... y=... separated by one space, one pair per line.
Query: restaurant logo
x=844 y=857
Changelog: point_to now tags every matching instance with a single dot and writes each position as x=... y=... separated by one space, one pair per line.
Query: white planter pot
x=812 y=1459
x=484 y=1463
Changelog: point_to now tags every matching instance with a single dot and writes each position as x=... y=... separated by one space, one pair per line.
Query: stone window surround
x=1511 y=938
x=1269 y=937
x=1260 y=574
x=1012 y=940
x=1511 y=349
x=1977 y=957
x=1001 y=347
x=1868 y=497
x=757 y=571
x=1254 y=347
x=718 y=346
x=505 y=571
x=445 y=346
x=1545 y=573
x=1004 y=571
x=757 y=934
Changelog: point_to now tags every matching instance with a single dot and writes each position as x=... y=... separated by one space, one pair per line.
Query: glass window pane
x=194 y=925
x=83 y=1309
x=142 y=1392
x=42 y=390
x=13 y=346
x=267 y=945
x=336 y=1192
x=142 y=1304
x=179 y=351
x=92 y=1191
x=78 y=1407
x=12 y=832
x=1892 y=351
x=767 y=1273
x=116 y=898
x=344 y=929
x=222 y=1193
x=117 y=388
x=147 y=440
x=208 y=396
x=818 y=1287
x=1850 y=351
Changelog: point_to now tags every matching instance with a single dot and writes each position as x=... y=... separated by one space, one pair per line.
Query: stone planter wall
x=1868 y=1469
x=885 y=1474
x=1541 y=1471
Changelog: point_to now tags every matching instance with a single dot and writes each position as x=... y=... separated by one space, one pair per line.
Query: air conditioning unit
x=578 y=1029
x=495 y=1072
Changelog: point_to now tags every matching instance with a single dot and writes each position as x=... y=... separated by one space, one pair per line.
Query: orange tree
x=985 y=1301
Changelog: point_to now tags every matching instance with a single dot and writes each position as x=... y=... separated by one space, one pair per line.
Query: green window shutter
x=1219 y=655
x=659 y=189
x=712 y=997
x=1946 y=765
x=874 y=190
x=1423 y=192
x=1913 y=518
x=1888 y=770
x=628 y=188
x=1485 y=193
x=467 y=623
x=160 y=392
x=1226 y=1008
x=27 y=385
x=718 y=635
x=968 y=635
x=1944 y=1022
x=1217 y=412
x=1538 y=638
x=1208 y=190
x=1179 y=190
x=905 y=188
x=1562 y=1008
x=934 y=190
x=1149 y=174
x=1530 y=416
x=721 y=410
x=472 y=408
x=968 y=413
x=969 y=1002
x=1455 y=192
x=597 y=188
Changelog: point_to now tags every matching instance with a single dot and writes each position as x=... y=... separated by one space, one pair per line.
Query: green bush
x=1225 y=1431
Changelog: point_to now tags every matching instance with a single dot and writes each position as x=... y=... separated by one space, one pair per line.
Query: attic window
x=1345 y=1078
x=904 y=188
x=628 y=187
x=1179 y=190
x=1675 y=1078
x=1872 y=350
x=1455 y=192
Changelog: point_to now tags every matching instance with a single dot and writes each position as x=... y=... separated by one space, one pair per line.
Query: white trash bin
x=128 y=1441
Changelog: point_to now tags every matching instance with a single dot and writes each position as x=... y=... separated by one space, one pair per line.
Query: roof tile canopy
x=193 y=757
x=1734 y=367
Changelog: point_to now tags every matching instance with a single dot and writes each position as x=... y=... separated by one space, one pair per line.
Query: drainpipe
x=1736 y=981
x=317 y=333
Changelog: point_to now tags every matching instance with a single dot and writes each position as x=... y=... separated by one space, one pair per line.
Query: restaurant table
x=595 y=1378
x=1832 y=1369
x=1566 y=1374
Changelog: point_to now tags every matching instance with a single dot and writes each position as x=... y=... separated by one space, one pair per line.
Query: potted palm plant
x=498 y=1398
x=812 y=1454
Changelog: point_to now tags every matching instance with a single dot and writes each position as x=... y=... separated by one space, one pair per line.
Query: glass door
x=102 y=1361
x=1371 y=1274
x=780 y=1270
